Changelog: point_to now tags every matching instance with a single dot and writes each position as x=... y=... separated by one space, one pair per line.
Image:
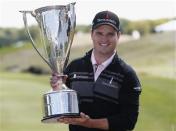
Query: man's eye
x=99 y=33
x=111 y=34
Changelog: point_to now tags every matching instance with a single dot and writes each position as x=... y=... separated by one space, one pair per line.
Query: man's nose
x=104 y=38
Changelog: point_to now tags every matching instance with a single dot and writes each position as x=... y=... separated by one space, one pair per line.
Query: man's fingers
x=66 y=120
x=84 y=115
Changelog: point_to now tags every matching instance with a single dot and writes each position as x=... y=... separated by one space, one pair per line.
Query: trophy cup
x=57 y=25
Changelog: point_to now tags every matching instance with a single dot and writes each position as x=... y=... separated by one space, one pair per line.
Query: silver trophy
x=57 y=25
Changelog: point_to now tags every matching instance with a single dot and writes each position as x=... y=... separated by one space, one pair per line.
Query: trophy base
x=54 y=118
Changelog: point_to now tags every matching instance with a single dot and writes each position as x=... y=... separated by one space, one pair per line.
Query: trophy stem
x=64 y=87
x=61 y=83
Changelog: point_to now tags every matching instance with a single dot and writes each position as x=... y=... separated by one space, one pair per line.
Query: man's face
x=105 y=39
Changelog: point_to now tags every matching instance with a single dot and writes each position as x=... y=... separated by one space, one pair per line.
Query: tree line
x=9 y=36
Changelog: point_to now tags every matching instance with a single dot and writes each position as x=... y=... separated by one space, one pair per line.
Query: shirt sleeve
x=128 y=103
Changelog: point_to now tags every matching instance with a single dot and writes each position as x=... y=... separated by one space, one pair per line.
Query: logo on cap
x=106 y=20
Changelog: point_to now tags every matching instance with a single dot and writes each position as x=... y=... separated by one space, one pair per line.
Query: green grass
x=21 y=103
x=157 y=112
x=150 y=50
x=10 y=49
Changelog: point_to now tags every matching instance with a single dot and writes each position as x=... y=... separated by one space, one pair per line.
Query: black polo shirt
x=114 y=95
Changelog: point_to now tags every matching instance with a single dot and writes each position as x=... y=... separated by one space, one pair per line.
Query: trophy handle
x=72 y=34
x=27 y=29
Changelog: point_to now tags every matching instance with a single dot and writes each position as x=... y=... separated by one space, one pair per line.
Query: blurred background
x=148 y=43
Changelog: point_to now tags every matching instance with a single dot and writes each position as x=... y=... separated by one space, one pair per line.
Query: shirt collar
x=105 y=63
x=93 y=58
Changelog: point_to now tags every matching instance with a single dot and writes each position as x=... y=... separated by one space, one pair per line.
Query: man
x=108 y=88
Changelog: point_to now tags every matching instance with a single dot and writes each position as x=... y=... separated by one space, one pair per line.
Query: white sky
x=86 y=9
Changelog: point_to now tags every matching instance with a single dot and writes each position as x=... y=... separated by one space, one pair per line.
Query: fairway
x=21 y=103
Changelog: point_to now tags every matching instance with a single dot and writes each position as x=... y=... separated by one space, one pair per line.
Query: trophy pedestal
x=54 y=118
x=59 y=104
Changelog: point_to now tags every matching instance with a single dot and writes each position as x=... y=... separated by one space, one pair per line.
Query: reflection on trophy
x=57 y=26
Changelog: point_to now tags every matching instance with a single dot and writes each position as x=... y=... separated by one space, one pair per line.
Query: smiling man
x=108 y=88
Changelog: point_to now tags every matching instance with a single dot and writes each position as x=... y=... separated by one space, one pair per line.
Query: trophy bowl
x=57 y=26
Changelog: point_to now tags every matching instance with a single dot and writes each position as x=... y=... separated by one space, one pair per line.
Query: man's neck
x=100 y=58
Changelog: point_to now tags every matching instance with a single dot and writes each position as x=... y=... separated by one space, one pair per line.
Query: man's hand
x=83 y=120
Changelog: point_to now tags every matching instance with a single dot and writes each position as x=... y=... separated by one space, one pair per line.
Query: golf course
x=153 y=57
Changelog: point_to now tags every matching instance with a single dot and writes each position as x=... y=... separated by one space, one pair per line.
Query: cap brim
x=105 y=23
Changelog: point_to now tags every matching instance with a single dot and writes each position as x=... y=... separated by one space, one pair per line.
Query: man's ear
x=91 y=33
x=118 y=34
